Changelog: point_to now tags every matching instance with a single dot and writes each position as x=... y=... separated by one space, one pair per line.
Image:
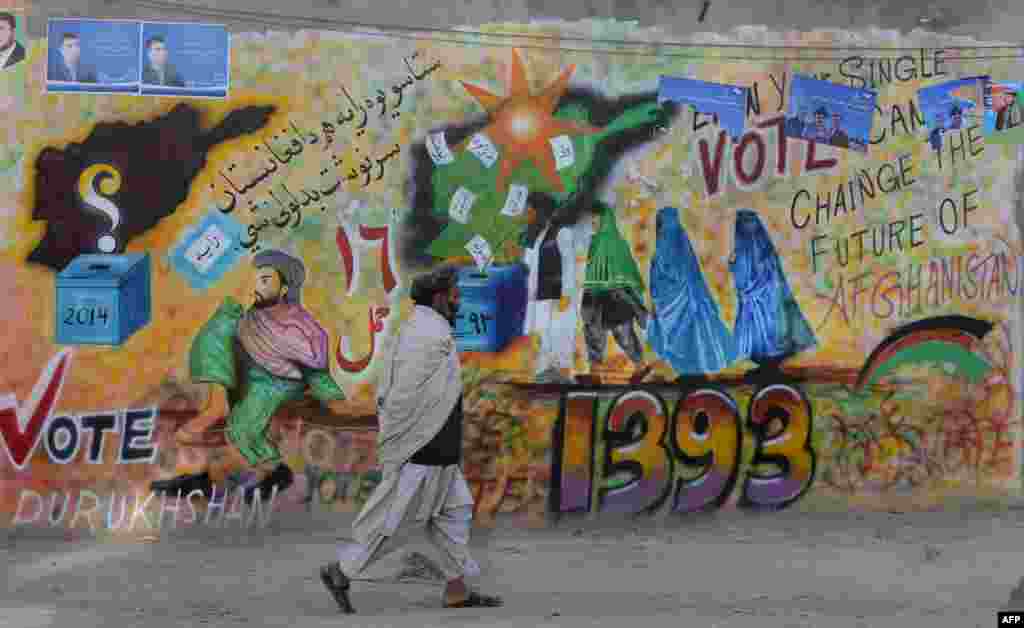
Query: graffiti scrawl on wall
x=688 y=283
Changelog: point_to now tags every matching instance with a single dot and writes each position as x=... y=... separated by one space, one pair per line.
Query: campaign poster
x=727 y=104
x=1004 y=120
x=13 y=52
x=829 y=113
x=182 y=59
x=12 y=38
x=952 y=105
x=94 y=56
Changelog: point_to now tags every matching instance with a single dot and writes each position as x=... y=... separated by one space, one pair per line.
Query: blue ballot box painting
x=205 y=252
x=492 y=309
x=103 y=299
x=95 y=56
x=726 y=103
x=829 y=113
x=953 y=105
x=185 y=60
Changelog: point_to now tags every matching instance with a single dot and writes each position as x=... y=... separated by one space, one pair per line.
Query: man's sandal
x=337 y=584
x=477 y=600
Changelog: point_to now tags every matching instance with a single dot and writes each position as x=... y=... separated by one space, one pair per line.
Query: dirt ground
x=954 y=568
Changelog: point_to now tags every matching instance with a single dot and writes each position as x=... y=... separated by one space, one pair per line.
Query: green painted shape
x=486 y=218
x=967 y=364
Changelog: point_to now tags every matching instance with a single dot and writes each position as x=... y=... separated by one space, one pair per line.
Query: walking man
x=419 y=447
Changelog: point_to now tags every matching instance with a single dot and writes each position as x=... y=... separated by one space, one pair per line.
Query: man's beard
x=449 y=312
x=263 y=302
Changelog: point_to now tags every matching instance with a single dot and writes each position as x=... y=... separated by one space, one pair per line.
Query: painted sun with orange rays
x=523 y=124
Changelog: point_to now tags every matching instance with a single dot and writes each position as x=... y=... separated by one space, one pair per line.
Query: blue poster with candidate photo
x=185 y=59
x=727 y=104
x=94 y=56
x=13 y=54
x=12 y=38
x=829 y=113
x=952 y=105
x=1005 y=113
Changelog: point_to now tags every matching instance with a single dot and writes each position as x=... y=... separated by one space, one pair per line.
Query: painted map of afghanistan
x=157 y=161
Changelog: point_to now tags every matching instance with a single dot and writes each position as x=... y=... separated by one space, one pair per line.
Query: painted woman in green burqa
x=612 y=295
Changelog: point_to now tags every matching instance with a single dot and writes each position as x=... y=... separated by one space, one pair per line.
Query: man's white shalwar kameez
x=557 y=330
x=421 y=381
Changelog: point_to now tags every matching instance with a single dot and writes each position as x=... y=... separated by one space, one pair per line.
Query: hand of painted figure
x=563 y=304
x=342 y=407
x=197 y=432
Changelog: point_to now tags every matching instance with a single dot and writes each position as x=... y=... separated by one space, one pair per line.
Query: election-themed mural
x=692 y=277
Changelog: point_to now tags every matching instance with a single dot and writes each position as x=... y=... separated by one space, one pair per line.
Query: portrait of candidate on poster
x=829 y=113
x=1004 y=119
x=953 y=105
x=95 y=56
x=181 y=59
x=12 y=32
x=726 y=104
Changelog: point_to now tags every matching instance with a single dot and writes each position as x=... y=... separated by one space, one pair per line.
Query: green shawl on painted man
x=263 y=357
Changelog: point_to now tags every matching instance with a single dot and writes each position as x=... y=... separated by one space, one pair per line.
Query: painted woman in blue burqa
x=686 y=328
x=769 y=324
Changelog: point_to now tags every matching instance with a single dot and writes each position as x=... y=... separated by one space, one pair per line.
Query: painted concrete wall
x=800 y=351
x=987 y=20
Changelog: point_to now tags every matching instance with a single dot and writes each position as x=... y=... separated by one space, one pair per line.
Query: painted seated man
x=254 y=361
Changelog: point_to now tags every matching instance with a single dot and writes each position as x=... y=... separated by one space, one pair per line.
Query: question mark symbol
x=96 y=183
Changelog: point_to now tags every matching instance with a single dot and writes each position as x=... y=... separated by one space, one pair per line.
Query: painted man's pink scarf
x=283 y=337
